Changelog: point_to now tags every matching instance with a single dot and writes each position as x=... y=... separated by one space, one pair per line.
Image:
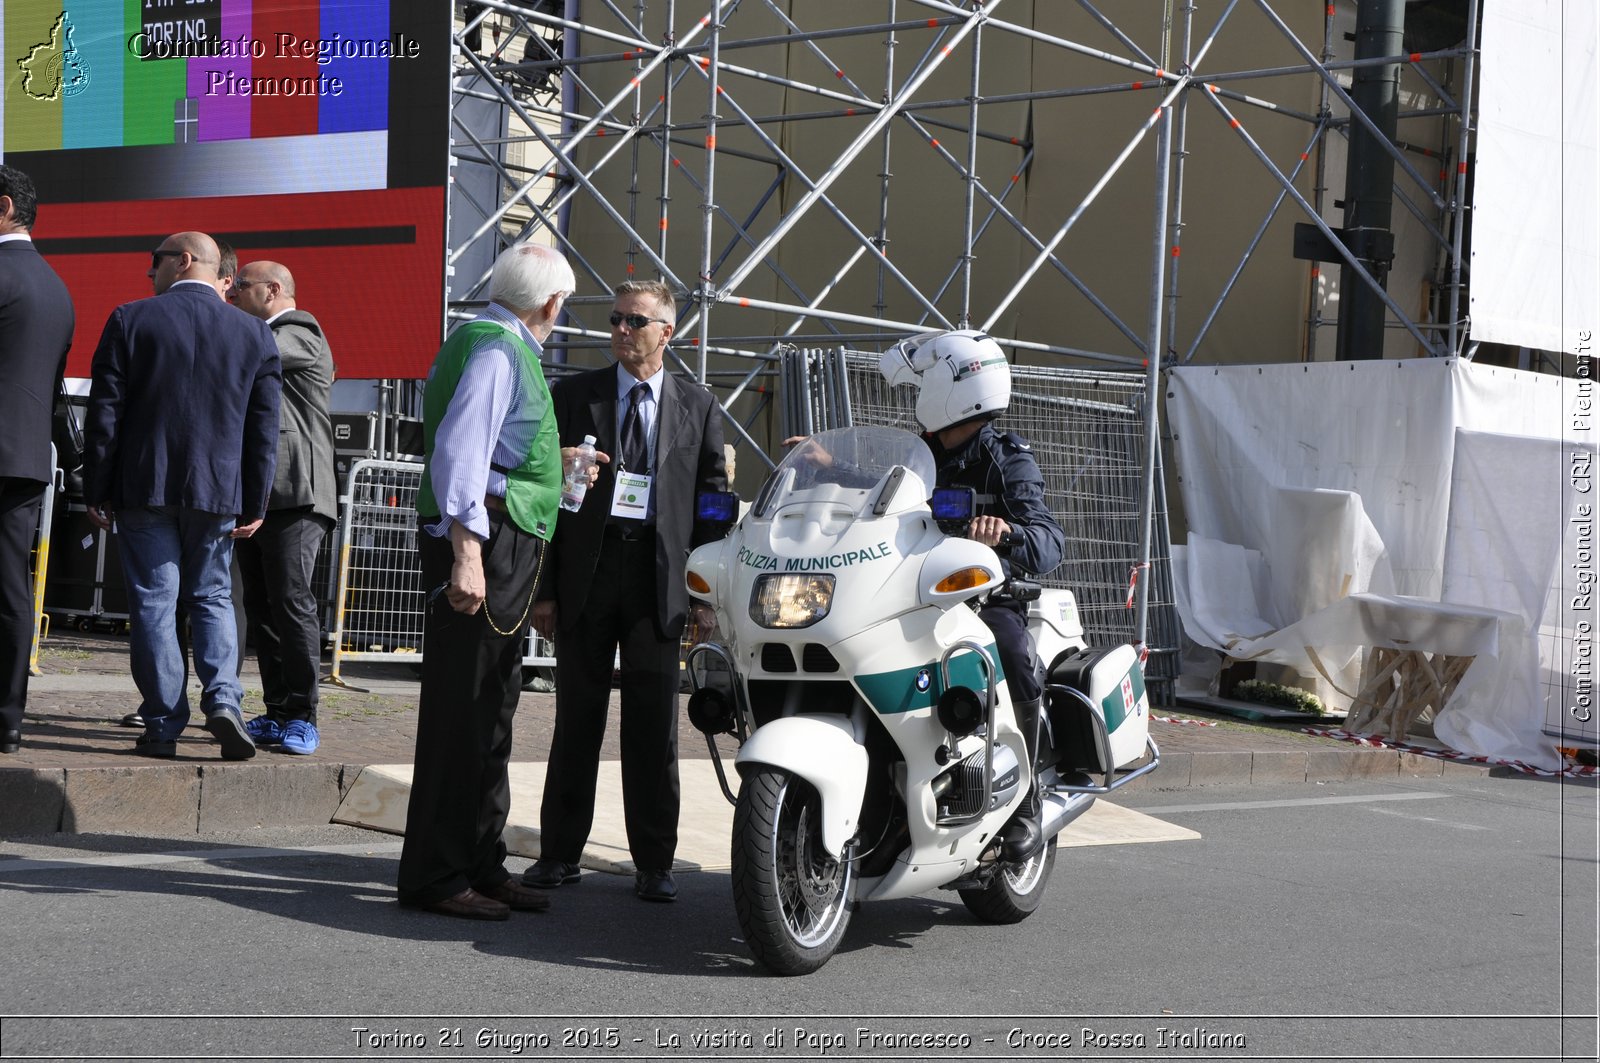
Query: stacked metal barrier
x=1087 y=430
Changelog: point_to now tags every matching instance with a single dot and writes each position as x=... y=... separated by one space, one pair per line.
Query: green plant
x=1264 y=693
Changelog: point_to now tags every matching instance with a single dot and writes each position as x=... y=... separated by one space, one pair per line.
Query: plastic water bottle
x=576 y=483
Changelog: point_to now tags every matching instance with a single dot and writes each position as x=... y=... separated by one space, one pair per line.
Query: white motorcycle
x=878 y=753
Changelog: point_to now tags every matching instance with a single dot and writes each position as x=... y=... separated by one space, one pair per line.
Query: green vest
x=533 y=488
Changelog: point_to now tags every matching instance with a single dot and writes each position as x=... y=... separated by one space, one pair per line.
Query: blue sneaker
x=300 y=736
x=265 y=730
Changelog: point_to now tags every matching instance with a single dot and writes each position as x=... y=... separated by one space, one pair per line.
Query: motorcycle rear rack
x=1113 y=776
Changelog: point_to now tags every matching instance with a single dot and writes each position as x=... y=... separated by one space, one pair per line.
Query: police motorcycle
x=878 y=752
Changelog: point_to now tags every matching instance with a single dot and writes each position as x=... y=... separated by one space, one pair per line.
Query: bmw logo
x=923 y=681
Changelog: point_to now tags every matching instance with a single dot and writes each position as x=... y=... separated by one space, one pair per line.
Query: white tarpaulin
x=1536 y=194
x=1426 y=484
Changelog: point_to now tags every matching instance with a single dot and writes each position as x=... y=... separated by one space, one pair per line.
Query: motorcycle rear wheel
x=1016 y=889
x=793 y=900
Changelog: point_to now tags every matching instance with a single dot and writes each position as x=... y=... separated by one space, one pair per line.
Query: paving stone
x=1462 y=767
x=1277 y=766
x=258 y=794
x=1422 y=767
x=1333 y=765
x=33 y=800
x=1219 y=768
x=161 y=798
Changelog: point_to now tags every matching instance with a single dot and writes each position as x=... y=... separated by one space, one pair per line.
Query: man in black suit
x=618 y=563
x=35 y=331
x=275 y=564
x=182 y=442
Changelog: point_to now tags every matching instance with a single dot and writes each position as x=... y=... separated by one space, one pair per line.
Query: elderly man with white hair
x=487 y=507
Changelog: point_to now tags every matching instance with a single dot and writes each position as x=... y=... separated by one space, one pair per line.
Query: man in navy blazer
x=35 y=332
x=181 y=443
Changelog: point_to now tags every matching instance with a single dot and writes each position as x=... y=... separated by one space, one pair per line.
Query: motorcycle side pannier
x=1110 y=699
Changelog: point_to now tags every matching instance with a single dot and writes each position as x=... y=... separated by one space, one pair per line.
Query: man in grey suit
x=275 y=565
x=618 y=564
x=35 y=331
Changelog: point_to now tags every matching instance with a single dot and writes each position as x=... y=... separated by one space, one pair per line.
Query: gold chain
x=538 y=570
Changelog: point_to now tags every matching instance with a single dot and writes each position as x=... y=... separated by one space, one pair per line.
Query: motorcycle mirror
x=961 y=710
x=717 y=507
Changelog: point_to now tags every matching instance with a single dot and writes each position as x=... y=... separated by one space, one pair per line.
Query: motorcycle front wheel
x=793 y=900
x=1016 y=889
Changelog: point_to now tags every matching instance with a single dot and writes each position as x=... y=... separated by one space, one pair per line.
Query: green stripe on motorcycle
x=894 y=692
x=1118 y=705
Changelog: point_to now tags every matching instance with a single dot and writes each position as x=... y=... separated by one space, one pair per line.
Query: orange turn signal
x=697 y=583
x=963 y=579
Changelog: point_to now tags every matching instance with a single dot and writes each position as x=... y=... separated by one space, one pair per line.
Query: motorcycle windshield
x=851 y=466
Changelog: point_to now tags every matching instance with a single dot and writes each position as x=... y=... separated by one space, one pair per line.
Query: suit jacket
x=305 y=474
x=689 y=460
x=35 y=331
x=183 y=406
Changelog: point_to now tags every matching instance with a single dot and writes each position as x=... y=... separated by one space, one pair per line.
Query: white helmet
x=959 y=375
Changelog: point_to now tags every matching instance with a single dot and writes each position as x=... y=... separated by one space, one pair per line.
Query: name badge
x=631 y=495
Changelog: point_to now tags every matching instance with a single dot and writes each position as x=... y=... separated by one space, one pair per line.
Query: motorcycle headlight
x=791 y=600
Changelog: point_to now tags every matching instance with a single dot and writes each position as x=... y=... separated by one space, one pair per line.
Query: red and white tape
x=1577 y=771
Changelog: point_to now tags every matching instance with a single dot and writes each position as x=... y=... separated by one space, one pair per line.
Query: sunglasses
x=635 y=321
x=157 y=256
x=241 y=285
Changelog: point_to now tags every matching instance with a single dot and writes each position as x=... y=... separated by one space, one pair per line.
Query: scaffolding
x=1002 y=148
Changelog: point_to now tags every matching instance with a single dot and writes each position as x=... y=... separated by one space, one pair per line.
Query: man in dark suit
x=35 y=331
x=275 y=564
x=182 y=441
x=618 y=563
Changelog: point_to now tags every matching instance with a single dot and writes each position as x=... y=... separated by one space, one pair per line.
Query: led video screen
x=311 y=133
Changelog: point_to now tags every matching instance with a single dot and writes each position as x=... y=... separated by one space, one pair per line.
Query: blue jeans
x=170 y=553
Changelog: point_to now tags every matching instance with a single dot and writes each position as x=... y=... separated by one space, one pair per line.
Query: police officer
x=963 y=383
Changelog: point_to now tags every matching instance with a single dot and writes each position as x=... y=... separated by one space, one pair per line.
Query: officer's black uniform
x=1001 y=468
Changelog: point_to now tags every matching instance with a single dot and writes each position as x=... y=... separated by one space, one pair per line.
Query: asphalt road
x=1452 y=919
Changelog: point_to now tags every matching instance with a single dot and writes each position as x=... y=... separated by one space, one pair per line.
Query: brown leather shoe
x=468 y=904
x=516 y=896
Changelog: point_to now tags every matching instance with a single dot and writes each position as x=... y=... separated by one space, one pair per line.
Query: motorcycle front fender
x=823 y=751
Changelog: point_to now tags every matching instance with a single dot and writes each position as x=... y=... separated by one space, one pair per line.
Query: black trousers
x=471 y=679
x=275 y=567
x=619 y=615
x=19 y=519
x=1009 y=623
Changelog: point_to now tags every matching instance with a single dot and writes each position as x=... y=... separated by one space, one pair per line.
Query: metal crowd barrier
x=379 y=600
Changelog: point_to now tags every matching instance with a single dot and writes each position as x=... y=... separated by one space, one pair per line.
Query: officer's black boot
x=1022 y=837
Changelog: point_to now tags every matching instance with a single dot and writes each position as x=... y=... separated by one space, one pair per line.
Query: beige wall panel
x=1227 y=193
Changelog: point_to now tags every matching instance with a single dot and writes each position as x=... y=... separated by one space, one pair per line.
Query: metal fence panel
x=379 y=599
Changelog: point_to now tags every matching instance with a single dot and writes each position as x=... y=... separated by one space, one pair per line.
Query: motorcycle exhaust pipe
x=1060 y=810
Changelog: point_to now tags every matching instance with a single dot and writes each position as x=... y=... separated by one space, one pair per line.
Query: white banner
x=1535 y=270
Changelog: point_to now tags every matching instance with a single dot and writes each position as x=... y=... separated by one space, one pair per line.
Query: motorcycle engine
x=960 y=789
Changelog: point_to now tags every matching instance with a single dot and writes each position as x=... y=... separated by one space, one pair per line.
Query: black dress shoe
x=655 y=886
x=133 y=719
x=10 y=741
x=516 y=896
x=468 y=904
x=163 y=749
x=548 y=874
